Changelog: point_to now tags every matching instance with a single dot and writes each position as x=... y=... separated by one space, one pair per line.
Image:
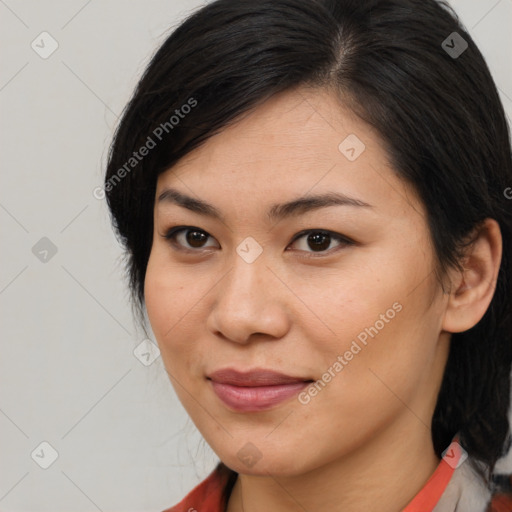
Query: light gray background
x=69 y=375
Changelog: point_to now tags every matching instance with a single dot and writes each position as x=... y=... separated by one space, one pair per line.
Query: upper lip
x=256 y=377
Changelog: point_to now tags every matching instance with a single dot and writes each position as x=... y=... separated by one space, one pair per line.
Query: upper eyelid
x=172 y=232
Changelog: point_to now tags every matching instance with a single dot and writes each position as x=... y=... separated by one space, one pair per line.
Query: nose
x=250 y=300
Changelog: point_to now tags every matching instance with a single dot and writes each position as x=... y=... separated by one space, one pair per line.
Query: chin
x=257 y=464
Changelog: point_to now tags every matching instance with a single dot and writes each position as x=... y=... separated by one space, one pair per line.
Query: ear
x=472 y=290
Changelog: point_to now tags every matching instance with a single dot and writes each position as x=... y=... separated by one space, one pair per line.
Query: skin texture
x=365 y=437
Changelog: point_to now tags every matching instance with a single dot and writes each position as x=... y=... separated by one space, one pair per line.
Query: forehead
x=297 y=142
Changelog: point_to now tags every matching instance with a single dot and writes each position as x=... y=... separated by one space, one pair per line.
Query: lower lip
x=260 y=398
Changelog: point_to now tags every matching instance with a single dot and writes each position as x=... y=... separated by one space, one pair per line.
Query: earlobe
x=473 y=289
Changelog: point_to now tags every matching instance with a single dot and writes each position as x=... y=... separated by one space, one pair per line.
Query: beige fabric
x=466 y=492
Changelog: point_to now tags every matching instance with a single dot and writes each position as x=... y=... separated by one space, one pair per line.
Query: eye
x=182 y=235
x=320 y=240
x=190 y=238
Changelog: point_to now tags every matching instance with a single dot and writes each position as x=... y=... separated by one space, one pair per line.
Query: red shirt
x=212 y=494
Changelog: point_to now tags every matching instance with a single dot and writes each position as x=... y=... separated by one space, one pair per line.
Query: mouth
x=255 y=390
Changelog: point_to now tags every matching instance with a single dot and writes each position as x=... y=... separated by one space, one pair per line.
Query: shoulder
x=468 y=492
x=211 y=494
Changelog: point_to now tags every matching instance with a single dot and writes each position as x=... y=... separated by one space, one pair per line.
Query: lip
x=254 y=390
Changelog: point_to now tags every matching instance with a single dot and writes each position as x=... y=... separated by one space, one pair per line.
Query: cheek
x=158 y=299
x=170 y=293
x=374 y=338
x=385 y=362
x=166 y=303
x=345 y=305
x=175 y=304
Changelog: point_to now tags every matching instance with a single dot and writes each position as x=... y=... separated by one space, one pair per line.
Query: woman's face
x=356 y=309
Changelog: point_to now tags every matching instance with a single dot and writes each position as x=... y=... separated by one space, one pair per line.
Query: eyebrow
x=298 y=206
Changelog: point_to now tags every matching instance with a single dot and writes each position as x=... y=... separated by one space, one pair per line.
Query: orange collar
x=431 y=493
x=211 y=494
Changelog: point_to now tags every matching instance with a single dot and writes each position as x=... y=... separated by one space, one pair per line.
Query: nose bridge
x=247 y=277
x=242 y=306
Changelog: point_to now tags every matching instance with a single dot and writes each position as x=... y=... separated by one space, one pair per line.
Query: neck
x=386 y=474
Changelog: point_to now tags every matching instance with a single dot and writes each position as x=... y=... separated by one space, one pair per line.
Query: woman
x=313 y=200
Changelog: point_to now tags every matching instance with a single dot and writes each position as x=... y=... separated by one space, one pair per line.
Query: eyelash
x=171 y=234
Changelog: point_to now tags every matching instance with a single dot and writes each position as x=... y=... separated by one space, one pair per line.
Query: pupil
x=317 y=239
x=195 y=237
